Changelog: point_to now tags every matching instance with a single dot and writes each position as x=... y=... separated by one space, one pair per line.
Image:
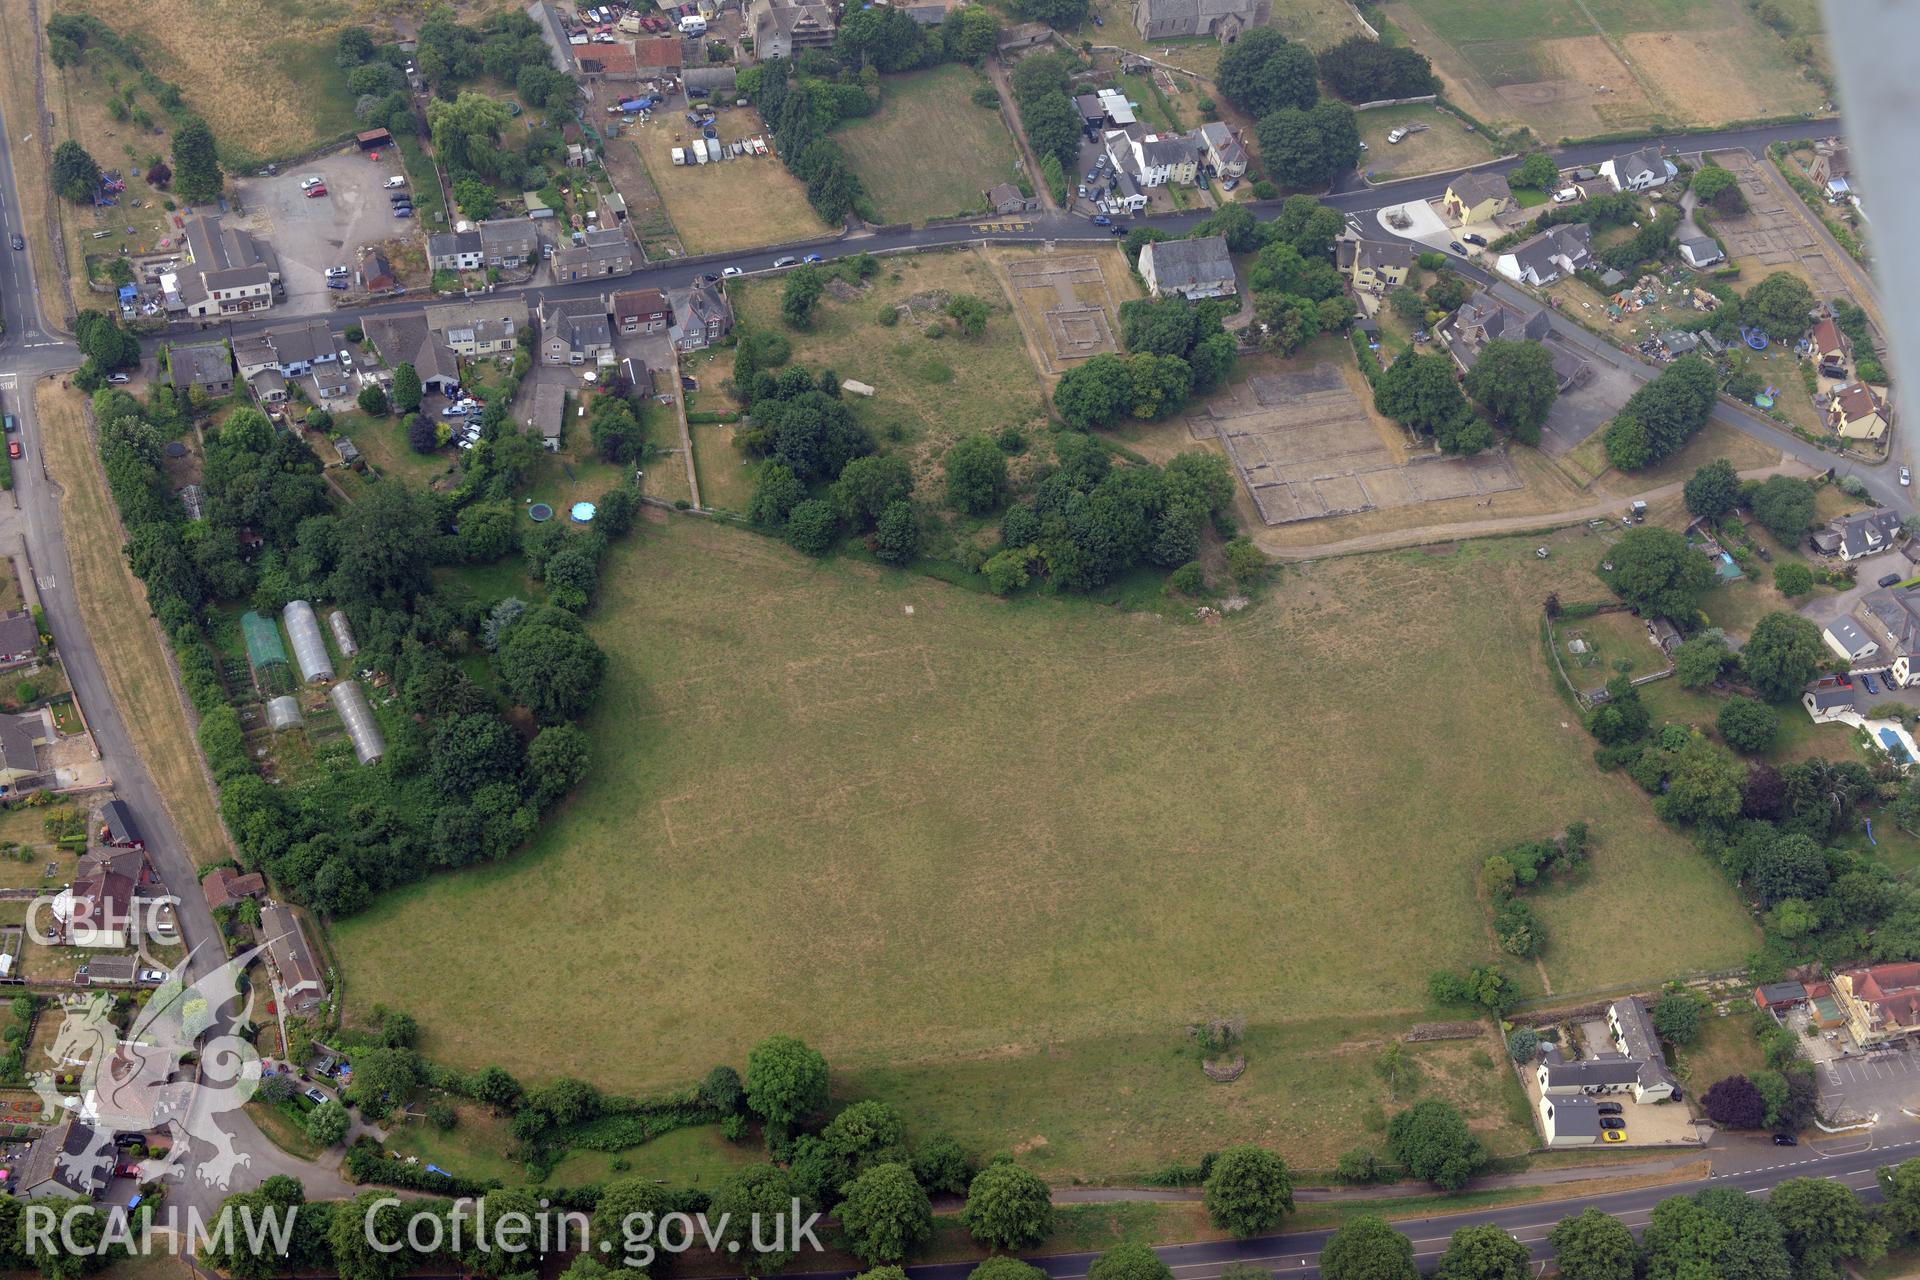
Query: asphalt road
x=29 y=349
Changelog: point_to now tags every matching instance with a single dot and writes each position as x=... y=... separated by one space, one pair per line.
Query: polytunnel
x=309 y=646
x=350 y=700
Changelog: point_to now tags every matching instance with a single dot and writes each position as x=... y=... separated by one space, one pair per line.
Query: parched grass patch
x=1061 y=832
x=1445 y=143
x=929 y=152
x=726 y=474
x=735 y=204
x=114 y=606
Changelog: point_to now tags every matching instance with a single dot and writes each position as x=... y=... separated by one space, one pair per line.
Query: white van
x=693 y=25
x=1565 y=194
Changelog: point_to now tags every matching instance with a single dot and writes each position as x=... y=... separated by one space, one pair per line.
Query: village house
x=1858 y=534
x=1832 y=167
x=658 y=56
x=19 y=640
x=575 y=332
x=1224 y=20
x=1828 y=700
x=1894 y=614
x=1855 y=413
x=20 y=736
x=600 y=252
x=225 y=887
x=509 y=242
x=1152 y=159
x=1376 y=265
x=227 y=271
x=1636 y=1064
x=614 y=62
x=782 y=30
x=1006 y=198
x=206 y=367
x=486 y=326
x=301 y=983
x=1569 y=1120
x=1828 y=347
x=702 y=316
x=1477 y=197
x=1542 y=259
x=1219 y=149
x=456 y=251
x=640 y=310
x=1197 y=268
x=1640 y=170
x=1483 y=317
x=72 y=1159
x=407 y=339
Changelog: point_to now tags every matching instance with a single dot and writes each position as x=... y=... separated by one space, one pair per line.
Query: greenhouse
x=283 y=713
x=351 y=702
x=309 y=646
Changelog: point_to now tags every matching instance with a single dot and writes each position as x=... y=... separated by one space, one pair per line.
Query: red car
x=13 y=449
x=314 y=193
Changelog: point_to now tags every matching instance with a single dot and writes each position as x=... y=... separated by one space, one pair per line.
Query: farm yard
x=929 y=152
x=736 y=204
x=1585 y=69
x=1125 y=814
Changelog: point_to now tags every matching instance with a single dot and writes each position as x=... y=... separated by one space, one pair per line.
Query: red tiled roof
x=1826 y=334
x=657 y=52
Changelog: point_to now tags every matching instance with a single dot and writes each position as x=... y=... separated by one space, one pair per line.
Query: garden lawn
x=1062 y=832
x=1725 y=1047
x=928 y=152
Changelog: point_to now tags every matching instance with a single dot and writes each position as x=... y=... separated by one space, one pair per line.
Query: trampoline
x=175 y=449
x=540 y=513
x=582 y=512
x=1755 y=338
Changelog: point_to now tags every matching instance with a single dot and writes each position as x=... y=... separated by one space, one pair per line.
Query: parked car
x=12 y=426
x=1457 y=247
x=1397 y=134
x=1612 y=1135
x=1906 y=476
x=1866 y=679
x=118 y=378
x=405 y=211
x=785 y=262
x=453 y=411
x=1565 y=194
x=729 y=271
x=1117 y=231
x=334 y=273
x=396 y=181
x=337 y=283
x=1610 y=1109
x=1083 y=191
x=400 y=197
x=1473 y=239
x=1612 y=1122
x=153 y=975
x=813 y=257
x=309 y=183
x=1889 y=579
x=1785 y=1140
x=18 y=241
x=1102 y=220
x=1230 y=184
x=13 y=449
x=314 y=193
x=315 y=1096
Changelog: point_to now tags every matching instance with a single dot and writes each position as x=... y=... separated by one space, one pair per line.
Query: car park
x=1888 y=579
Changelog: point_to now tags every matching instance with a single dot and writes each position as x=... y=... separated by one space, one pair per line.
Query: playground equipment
x=1755 y=338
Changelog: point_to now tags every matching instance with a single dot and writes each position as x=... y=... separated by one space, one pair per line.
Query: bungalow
x=1194 y=269
x=575 y=332
x=112 y=971
x=598 y=253
x=455 y=251
x=97 y=910
x=1378 y=265
x=1555 y=252
x=301 y=984
x=702 y=317
x=1855 y=413
x=1007 y=198
x=71 y=1159
x=1569 y=1121
x=509 y=242
x=1844 y=637
x=1701 y=251
x=1881 y=1003
x=1219 y=149
x=19 y=639
x=206 y=367
x=1828 y=700
x=1477 y=197
x=640 y=310
x=20 y=736
x=1640 y=170
x=269 y=387
x=548 y=414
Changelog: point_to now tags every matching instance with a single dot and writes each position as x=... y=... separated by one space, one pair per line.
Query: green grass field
x=928 y=152
x=993 y=857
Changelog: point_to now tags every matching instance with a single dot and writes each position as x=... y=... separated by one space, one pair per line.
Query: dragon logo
x=143 y=1082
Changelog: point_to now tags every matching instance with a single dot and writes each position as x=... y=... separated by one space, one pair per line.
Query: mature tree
x=896 y=534
x=354 y=1227
x=760 y=1192
x=801 y=295
x=812 y=527
x=1791 y=578
x=1420 y=392
x=1698 y=662
x=1780 y=305
x=885 y=1214
x=941 y=1164
x=1684 y=1240
x=1008 y=1207
x=1537 y=171
x=466 y=131
x=1307 y=150
x=1096 y=392
x=557 y=760
x=1366 y=1248
x=1747 y=726
x=786 y=1080
x=378 y=545
x=1659 y=418
x=1001 y=1267
x=406 y=388
x=1430 y=1139
x=970 y=33
x=968 y=312
x=1782 y=654
x=197 y=176
x=1248 y=1190
x=1757 y=1249
x=868 y=486
x=1785 y=505
x=1702 y=784
x=1656 y=572
x=1129 y=1262
x=373 y=400
x=1516 y=385
x=976 y=475
x=1713 y=490
x=1720 y=188
x=1484 y=1252
x=1058 y=14
x=1282 y=322
x=1825 y=1225
x=382 y=1079
x=1900 y=1215
x=1263 y=71
x=1593 y=1246
x=885 y=39
x=1307 y=225
x=422 y=435
x=776 y=491
x=1363 y=70
x=1676 y=1016
x=551 y=666
x=76 y=175
x=327 y=1124
x=1788 y=865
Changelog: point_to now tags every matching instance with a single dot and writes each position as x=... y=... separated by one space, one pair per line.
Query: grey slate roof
x=1640 y=1041
x=1180 y=264
x=1899 y=612
x=1475 y=187
x=1645 y=160
x=582 y=322
x=1848 y=633
x=200 y=364
x=1575 y=1117
x=1863 y=532
x=1827 y=696
x=448 y=244
x=1582 y=1072
x=1572 y=241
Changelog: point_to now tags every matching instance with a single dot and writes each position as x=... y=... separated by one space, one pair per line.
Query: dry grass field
x=1444 y=144
x=929 y=152
x=1061 y=833
x=736 y=204
x=1568 y=69
x=133 y=656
